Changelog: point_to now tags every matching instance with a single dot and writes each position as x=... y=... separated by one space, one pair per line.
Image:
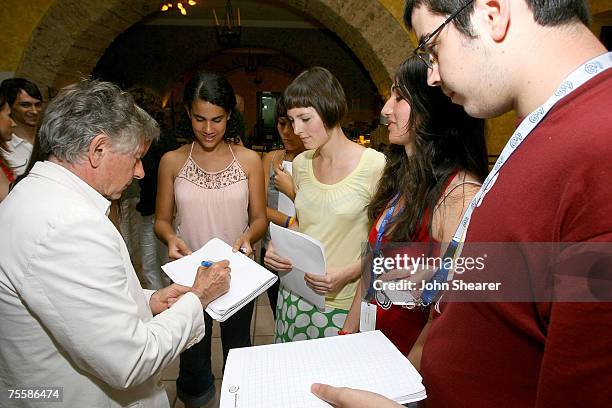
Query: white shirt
x=72 y=312
x=18 y=154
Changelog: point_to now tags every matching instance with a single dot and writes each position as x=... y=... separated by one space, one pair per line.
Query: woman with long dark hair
x=216 y=187
x=435 y=165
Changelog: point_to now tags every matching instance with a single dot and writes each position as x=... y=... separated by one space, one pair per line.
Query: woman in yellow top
x=334 y=180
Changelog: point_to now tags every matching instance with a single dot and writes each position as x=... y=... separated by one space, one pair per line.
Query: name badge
x=367 y=320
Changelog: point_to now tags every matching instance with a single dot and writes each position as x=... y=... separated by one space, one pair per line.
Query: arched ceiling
x=73 y=35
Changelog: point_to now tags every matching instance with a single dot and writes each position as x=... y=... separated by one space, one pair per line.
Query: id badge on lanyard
x=377 y=251
x=367 y=318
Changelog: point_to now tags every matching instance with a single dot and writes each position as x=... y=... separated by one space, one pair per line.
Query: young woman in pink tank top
x=211 y=188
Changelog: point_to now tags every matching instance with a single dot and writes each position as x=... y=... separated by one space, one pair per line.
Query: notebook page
x=306 y=255
x=247 y=275
x=280 y=375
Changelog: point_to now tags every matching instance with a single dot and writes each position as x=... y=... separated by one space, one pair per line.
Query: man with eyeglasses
x=552 y=185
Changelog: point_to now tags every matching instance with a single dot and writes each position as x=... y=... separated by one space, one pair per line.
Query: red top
x=403 y=326
x=555 y=188
x=7 y=171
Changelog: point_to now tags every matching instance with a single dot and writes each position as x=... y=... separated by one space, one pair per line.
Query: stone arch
x=229 y=59
x=73 y=35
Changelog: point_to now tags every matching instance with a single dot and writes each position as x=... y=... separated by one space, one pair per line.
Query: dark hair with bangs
x=545 y=12
x=216 y=89
x=318 y=88
x=447 y=140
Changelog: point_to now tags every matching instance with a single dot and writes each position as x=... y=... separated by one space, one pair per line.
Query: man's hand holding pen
x=212 y=281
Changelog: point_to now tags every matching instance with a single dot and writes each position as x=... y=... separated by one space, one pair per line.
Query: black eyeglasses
x=422 y=51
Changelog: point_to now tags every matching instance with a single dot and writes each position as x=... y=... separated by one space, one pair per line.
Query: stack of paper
x=248 y=278
x=306 y=255
x=280 y=375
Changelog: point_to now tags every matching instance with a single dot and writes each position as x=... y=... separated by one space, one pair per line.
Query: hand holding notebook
x=307 y=255
x=249 y=279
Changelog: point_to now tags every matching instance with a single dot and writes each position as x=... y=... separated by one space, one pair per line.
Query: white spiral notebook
x=248 y=278
x=280 y=375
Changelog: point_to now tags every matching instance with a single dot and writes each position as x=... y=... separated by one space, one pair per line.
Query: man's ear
x=497 y=17
x=98 y=148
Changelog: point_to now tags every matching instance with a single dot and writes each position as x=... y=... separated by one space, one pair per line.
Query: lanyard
x=576 y=79
x=383 y=226
x=379 y=237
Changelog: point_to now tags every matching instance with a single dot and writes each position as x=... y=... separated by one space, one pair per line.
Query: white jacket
x=72 y=312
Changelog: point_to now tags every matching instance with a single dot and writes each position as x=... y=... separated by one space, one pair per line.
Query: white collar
x=16 y=141
x=65 y=176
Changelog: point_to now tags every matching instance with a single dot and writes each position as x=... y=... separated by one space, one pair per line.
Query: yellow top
x=335 y=214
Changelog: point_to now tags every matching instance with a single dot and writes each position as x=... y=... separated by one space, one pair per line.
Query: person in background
x=7 y=124
x=153 y=253
x=435 y=164
x=278 y=180
x=335 y=179
x=240 y=104
x=217 y=189
x=128 y=220
x=25 y=101
x=239 y=112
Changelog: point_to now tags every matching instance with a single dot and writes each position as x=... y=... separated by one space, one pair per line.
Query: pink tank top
x=211 y=205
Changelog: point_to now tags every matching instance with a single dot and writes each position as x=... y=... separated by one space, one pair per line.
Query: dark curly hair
x=216 y=89
x=447 y=140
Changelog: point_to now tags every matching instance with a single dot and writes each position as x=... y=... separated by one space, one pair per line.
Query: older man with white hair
x=75 y=321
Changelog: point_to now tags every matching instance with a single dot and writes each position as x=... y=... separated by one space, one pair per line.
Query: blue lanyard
x=379 y=237
x=441 y=275
x=576 y=79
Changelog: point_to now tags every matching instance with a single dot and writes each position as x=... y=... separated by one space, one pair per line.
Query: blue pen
x=206 y=264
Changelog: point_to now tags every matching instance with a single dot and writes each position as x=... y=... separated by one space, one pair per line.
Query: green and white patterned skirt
x=297 y=319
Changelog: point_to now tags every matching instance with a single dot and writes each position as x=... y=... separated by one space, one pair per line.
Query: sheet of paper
x=280 y=375
x=306 y=255
x=248 y=277
x=285 y=204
